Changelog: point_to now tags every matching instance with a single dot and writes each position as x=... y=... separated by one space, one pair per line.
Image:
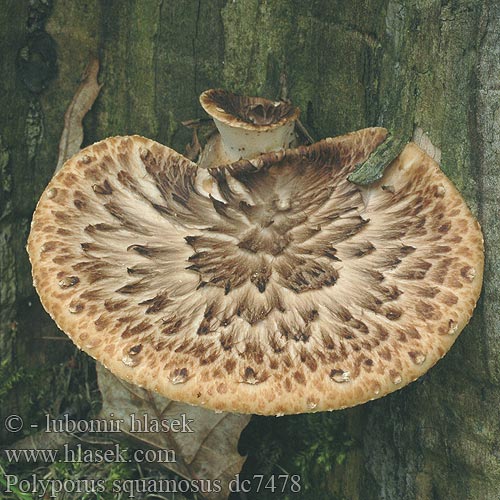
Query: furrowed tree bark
x=397 y=63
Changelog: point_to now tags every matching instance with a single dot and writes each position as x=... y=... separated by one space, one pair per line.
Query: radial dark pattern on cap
x=244 y=111
x=267 y=286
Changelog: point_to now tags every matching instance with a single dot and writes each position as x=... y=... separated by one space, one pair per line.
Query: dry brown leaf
x=210 y=452
x=201 y=127
x=193 y=150
x=84 y=98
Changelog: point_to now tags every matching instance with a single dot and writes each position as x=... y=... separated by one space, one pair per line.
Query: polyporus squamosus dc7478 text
x=266 y=285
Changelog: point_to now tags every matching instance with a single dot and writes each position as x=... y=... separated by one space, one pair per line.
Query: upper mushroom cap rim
x=228 y=118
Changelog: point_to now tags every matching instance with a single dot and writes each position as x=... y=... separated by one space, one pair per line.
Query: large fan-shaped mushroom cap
x=288 y=289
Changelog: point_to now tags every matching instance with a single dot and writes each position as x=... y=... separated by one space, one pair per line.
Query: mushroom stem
x=238 y=143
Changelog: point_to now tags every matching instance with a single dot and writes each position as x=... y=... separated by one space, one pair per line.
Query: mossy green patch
x=308 y=447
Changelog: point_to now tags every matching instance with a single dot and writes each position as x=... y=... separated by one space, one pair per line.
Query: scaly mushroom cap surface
x=287 y=289
x=251 y=113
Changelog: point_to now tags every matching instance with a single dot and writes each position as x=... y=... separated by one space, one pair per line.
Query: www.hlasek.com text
x=74 y=454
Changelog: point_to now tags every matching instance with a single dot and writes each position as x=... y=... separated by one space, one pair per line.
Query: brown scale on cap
x=247 y=111
x=287 y=289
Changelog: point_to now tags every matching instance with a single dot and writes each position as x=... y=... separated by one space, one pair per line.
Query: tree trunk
x=402 y=64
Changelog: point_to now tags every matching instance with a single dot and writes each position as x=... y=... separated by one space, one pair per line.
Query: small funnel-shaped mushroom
x=248 y=126
x=295 y=291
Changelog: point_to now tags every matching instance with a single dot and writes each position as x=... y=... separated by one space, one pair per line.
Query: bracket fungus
x=283 y=288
